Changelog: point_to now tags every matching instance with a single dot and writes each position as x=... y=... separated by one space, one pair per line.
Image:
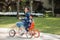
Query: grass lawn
x=47 y=25
x=7 y=21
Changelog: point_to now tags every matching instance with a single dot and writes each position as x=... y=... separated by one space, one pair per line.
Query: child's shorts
x=20 y=24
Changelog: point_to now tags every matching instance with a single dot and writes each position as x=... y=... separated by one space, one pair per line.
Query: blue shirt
x=26 y=20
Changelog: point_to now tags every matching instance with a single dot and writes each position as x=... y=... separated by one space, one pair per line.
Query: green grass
x=47 y=25
x=7 y=21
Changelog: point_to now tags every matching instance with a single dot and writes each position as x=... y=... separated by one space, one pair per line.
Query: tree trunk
x=18 y=9
x=31 y=2
x=53 y=7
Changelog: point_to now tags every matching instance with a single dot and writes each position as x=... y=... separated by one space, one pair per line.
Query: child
x=32 y=23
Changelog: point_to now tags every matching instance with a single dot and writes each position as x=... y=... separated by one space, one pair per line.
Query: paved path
x=43 y=36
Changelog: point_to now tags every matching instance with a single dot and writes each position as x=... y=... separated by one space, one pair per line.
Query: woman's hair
x=27 y=8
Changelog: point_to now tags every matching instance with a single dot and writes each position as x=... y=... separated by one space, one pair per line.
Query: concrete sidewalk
x=43 y=36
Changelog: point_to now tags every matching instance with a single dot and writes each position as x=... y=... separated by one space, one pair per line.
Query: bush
x=48 y=14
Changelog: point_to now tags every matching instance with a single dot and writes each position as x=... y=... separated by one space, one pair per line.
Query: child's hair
x=31 y=16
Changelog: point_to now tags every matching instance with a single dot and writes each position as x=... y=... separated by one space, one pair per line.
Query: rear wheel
x=36 y=33
x=12 y=33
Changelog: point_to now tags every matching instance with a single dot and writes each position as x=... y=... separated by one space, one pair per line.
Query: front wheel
x=12 y=33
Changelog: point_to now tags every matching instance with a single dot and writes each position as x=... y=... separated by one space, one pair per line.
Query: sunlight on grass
x=47 y=27
x=53 y=18
x=6 y=25
x=57 y=32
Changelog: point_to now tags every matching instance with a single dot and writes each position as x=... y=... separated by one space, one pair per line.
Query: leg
x=21 y=27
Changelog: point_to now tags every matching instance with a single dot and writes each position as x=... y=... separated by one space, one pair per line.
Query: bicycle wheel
x=12 y=33
x=25 y=35
x=36 y=34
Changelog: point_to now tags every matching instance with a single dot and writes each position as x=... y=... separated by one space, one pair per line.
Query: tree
x=55 y=5
x=52 y=3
